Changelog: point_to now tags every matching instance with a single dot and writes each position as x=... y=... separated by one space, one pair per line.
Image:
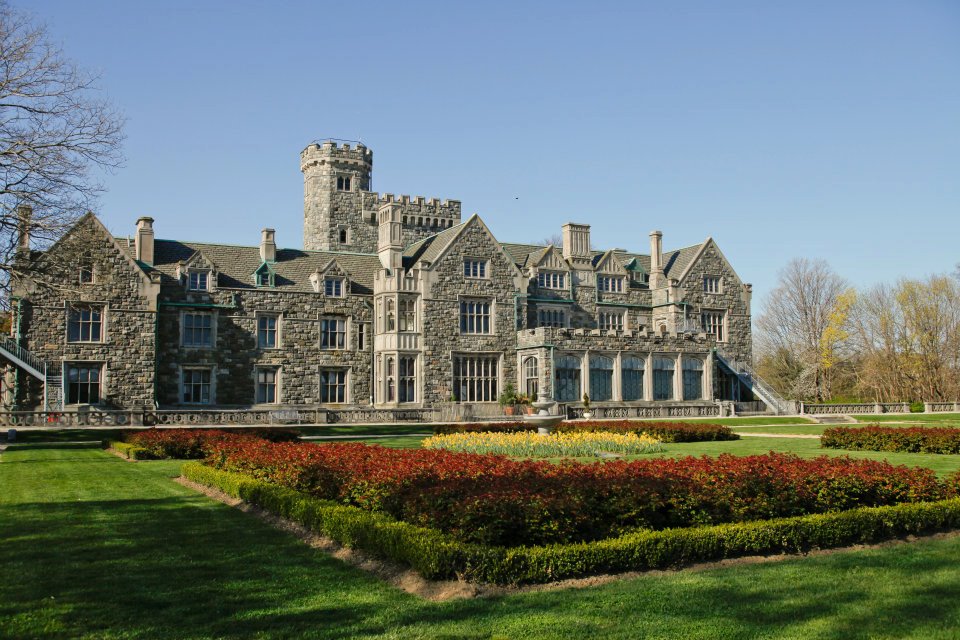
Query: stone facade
x=394 y=303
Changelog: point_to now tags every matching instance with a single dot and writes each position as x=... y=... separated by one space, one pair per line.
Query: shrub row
x=435 y=555
x=907 y=439
x=193 y=444
x=494 y=500
x=663 y=431
x=130 y=451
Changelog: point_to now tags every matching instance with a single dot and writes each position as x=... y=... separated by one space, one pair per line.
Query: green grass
x=97 y=547
x=737 y=422
x=68 y=435
x=792 y=429
x=941 y=419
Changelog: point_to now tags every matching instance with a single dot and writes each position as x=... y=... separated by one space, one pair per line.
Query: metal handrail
x=24 y=355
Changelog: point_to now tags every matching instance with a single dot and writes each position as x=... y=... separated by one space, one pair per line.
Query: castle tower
x=334 y=178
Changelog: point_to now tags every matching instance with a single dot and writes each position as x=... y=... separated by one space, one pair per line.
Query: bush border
x=436 y=556
x=130 y=451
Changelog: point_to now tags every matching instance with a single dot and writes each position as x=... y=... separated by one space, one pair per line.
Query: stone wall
x=441 y=325
x=236 y=355
x=128 y=345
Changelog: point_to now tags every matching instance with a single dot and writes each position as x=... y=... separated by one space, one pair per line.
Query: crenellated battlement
x=415 y=211
x=330 y=152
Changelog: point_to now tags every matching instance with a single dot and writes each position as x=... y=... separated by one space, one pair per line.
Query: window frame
x=627 y=380
x=481 y=384
x=544 y=277
x=88 y=365
x=714 y=280
x=344 y=182
x=551 y=310
x=473 y=317
x=267 y=315
x=207 y=277
x=183 y=329
x=101 y=323
x=479 y=265
x=345 y=384
x=257 y=370
x=336 y=284
x=721 y=326
x=211 y=385
x=612 y=313
x=561 y=382
x=608 y=283
x=407 y=378
x=341 y=345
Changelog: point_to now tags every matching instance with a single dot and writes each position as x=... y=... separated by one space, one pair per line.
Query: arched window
x=601 y=378
x=568 y=379
x=631 y=377
x=692 y=379
x=531 y=376
x=663 y=369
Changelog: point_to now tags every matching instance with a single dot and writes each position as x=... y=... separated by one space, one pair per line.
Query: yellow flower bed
x=530 y=444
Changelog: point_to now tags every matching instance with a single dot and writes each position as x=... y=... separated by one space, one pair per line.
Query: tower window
x=344 y=237
x=343 y=183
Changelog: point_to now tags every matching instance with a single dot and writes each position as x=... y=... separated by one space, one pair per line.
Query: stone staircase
x=760 y=388
x=36 y=367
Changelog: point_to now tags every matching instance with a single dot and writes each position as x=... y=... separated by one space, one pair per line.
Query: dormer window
x=551 y=280
x=263 y=276
x=198 y=281
x=333 y=287
x=613 y=284
x=343 y=183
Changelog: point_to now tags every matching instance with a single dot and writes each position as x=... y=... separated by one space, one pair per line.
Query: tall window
x=391 y=314
x=568 y=379
x=391 y=379
x=408 y=314
x=197 y=281
x=86 y=272
x=266 y=385
x=712 y=323
x=407 y=383
x=474 y=316
x=361 y=337
x=197 y=330
x=663 y=369
x=196 y=386
x=343 y=183
x=711 y=284
x=692 y=379
x=610 y=320
x=551 y=280
x=531 y=376
x=550 y=317
x=333 y=287
x=333 y=385
x=267 y=331
x=601 y=378
x=474 y=268
x=83 y=382
x=631 y=378
x=613 y=284
x=333 y=333
x=85 y=323
x=475 y=378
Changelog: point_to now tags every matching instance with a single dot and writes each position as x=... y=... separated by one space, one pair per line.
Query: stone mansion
x=393 y=302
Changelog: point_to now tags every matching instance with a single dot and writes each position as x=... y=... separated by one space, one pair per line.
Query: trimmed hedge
x=663 y=431
x=436 y=556
x=131 y=451
x=906 y=439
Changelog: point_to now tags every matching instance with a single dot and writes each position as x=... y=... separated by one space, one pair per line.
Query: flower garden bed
x=529 y=444
x=906 y=439
x=663 y=431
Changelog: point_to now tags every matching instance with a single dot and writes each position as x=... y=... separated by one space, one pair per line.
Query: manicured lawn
x=941 y=419
x=794 y=429
x=97 y=547
x=736 y=422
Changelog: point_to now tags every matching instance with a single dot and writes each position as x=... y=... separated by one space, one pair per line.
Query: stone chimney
x=656 y=259
x=389 y=238
x=24 y=217
x=576 y=240
x=268 y=245
x=143 y=242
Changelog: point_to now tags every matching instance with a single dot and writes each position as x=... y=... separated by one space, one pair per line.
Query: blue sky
x=818 y=129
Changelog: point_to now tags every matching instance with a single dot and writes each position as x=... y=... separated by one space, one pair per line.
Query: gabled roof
x=674 y=262
x=292 y=267
x=429 y=248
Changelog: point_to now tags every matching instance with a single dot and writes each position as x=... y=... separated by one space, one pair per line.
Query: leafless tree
x=54 y=129
x=798 y=326
x=555 y=239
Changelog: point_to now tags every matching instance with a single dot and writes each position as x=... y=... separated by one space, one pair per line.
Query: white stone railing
x=941 y=407
x=855 y=409
x=69 y=419
x=373 y=416
x=575 y=412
